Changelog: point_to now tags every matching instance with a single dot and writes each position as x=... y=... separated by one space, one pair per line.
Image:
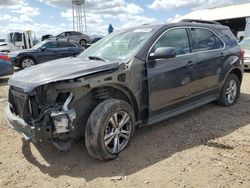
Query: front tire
x=230 y=92
x=27 y=62
x=109 y=129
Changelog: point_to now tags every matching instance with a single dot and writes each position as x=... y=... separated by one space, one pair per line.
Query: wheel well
x=108 y=92
x=238 y=73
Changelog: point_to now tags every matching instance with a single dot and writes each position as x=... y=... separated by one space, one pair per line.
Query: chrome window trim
x=189 y=27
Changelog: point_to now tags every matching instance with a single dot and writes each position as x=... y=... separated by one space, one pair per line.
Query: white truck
x=21 y=40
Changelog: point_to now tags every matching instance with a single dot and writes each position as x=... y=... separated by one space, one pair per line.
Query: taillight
x=242 y=53
x=5 y=57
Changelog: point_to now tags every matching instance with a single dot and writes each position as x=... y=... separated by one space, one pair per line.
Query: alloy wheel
x=27 y=63
x=231 y=91
x=118 y=132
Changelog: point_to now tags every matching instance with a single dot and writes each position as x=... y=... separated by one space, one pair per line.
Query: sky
x=54 y=16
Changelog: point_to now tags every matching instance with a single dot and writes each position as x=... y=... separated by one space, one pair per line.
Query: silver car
x=75 y=36
x=245 y=45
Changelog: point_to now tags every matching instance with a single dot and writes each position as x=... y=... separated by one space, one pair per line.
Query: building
x=236 y=16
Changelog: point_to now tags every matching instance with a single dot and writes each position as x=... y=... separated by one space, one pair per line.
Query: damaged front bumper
x=54 y=125
x=29 y=132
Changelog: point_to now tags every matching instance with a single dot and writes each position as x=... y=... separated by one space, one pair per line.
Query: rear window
x=204 y=40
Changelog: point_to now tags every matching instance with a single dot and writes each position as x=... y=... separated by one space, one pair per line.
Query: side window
x=76 y=33
x=66 y=45
x=50 y=45
x=176 y=38
x=204 y=40
x=62 y=35
x=68 y=34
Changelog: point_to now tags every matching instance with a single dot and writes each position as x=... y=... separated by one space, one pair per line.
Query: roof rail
x=200 y=21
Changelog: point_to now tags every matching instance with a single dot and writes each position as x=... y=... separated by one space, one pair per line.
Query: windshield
x=39 y=45
x=245 y=44
x=119 y=46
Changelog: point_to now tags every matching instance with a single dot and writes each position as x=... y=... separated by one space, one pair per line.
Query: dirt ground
x=206 y=147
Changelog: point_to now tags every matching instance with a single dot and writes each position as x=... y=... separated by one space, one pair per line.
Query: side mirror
x=163 y=53
x=43 y=48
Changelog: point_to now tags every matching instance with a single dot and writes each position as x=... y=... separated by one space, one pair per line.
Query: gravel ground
x=206 y=147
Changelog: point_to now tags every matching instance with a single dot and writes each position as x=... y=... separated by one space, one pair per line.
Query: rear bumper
x=18 y=124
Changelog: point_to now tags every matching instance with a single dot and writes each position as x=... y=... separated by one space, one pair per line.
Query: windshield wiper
x=96 y=58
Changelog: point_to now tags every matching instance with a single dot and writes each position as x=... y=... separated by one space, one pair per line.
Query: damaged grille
x=19 y=104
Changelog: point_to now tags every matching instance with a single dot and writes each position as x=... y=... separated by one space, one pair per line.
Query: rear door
x=170 y=81
x=67 y=48
x=209 y=57
x=75 y=36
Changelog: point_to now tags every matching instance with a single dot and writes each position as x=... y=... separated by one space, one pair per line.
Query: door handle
x=190 y=64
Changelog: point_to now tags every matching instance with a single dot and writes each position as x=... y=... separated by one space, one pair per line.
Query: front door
x=49 y=51
x=170 y=81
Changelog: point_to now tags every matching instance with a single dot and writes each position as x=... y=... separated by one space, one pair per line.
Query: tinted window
x=229 y=38
x=176 y=38
x=219 y=43
x=50 y=45
x=67 y=33
x=62 y=35
x=66 y=45
x=75 y=33
x=204 y=40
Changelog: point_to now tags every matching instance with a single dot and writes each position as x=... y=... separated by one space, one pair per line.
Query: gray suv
x=131 y=78
x=75 y=36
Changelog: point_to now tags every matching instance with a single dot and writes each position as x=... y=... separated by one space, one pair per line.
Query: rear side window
x=75 y=33
x=66 y=45
x=228 y=38
x=204 y=40
x=176 y=38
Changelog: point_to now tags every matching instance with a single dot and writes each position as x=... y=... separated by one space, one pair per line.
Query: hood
x=61 y=69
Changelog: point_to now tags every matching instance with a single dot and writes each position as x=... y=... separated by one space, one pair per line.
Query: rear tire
x=83 y=42
x=230 y=92
x=109 y=129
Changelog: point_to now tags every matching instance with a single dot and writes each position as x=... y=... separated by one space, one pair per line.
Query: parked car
x=44 y=37
x=75 y=36
x=134 y=77
x=7 y=47
x=245 y=44
x=6 y=67
x=45 y=51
